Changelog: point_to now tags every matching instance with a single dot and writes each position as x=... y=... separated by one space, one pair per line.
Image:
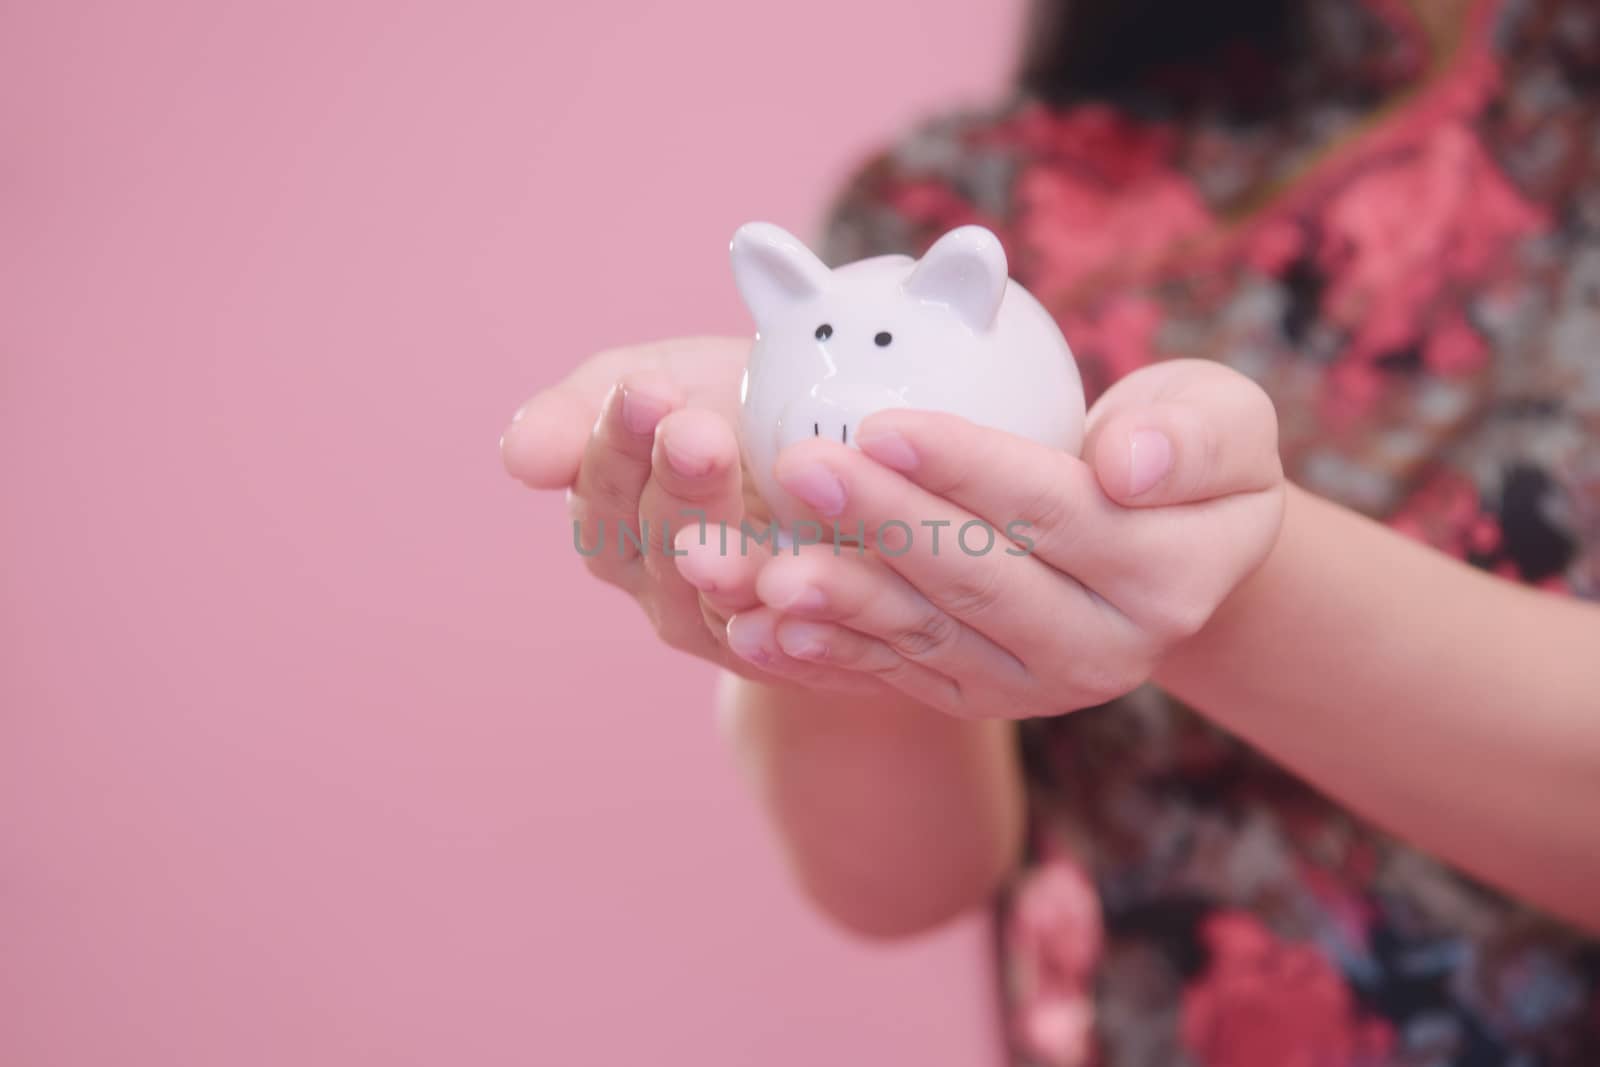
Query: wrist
x=1195 y=659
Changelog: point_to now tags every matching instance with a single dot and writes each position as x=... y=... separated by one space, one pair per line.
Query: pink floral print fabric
x=1418 y=288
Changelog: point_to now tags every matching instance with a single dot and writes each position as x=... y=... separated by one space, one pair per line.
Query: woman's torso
x=1408 y=259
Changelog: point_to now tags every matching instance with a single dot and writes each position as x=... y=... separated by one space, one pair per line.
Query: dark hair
x=1077 y=49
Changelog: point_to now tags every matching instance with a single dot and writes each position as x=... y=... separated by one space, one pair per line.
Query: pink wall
x=316 y=744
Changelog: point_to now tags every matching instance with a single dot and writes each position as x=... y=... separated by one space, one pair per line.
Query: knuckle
x=655 y=531
x=697 y=490
x=866 y=656
x=1047 y=506
x=627 y=542
x=932 y=632
x=660 y=523
x=1053 y=511
x=610 y=488
x=972 y=591
x=853 y=655
x=952 y=479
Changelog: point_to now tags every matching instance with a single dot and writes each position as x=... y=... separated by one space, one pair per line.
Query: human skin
x=870 y=701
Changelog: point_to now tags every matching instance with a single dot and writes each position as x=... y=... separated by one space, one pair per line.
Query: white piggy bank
x=948 y=332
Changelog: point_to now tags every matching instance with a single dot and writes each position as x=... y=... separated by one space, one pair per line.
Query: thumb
x=1216 y=438
x=545 y=443
x=542 y=446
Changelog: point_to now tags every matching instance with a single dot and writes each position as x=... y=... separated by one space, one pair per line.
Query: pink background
x=317 y=746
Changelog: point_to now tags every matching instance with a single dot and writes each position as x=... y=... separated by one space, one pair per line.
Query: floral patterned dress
x=1405 y=252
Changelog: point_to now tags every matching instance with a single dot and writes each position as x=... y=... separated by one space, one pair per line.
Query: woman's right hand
x=642 y=439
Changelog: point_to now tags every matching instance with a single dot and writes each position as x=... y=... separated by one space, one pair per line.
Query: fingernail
x=640 y=412
x=744 y=638
x=803 y=640
x=890 y=449
x=817 y=486
x=684 y=461
x=1149 y=460
x=695 y=560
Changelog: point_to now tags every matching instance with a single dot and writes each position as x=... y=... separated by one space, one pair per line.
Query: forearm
x=1458 y=710
x=893 y=817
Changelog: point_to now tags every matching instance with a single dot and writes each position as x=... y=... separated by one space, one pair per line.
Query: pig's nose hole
x=844 y=431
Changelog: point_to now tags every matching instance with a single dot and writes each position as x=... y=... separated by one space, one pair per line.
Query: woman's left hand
x=1113 y=559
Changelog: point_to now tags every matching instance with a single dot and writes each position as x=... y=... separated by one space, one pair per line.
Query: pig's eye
x=883 y=339
x=824 y=332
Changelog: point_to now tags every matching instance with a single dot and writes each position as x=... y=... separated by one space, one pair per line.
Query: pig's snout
x=833 y=413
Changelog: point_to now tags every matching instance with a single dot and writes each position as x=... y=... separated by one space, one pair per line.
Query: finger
x=1044 y=500
x=722 y=564
x=958 y=561
x=616 y=468
x=1181 y=433
x=694 y=486
x=836 y=646
x=761 y=636
x=695 y=481
x=545 y=442
x=752 y=637
x=543 y=446
x=1129 y=558
x=548 y=436
x=860 y=593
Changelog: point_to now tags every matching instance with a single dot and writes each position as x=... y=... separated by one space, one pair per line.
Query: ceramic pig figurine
x=948 y=332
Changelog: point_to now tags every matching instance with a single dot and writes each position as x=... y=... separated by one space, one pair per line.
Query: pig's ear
x=773 y=269
x=965 y=270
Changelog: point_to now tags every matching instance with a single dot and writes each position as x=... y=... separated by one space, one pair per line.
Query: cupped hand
x=1007 y=579
x=642 y=439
